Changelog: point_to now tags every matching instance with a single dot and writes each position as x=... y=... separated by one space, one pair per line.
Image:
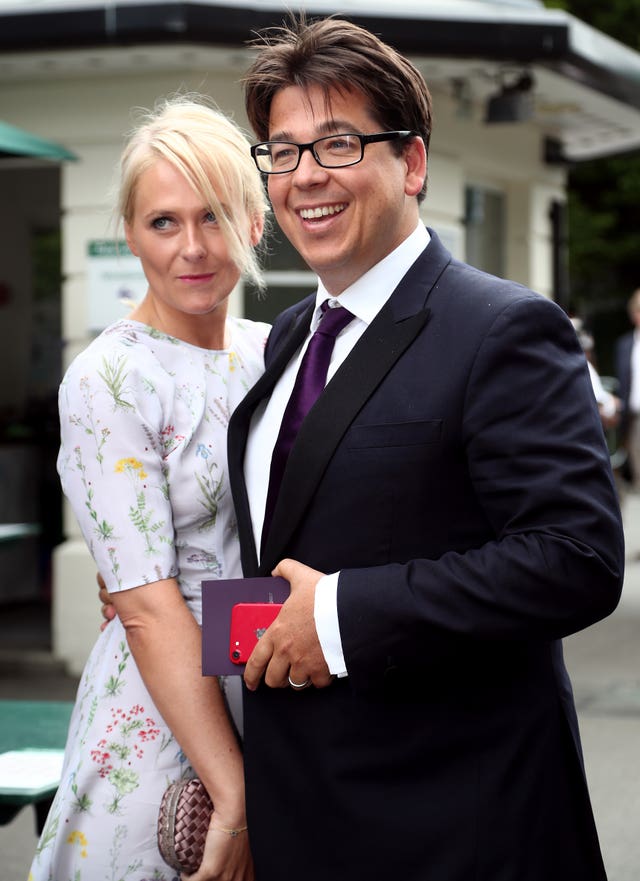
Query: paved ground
x=604 y=663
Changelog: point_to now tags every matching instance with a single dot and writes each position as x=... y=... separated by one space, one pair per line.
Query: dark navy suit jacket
x=454 y=471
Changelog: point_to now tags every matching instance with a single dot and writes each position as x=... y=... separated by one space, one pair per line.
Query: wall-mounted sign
x=115 y=282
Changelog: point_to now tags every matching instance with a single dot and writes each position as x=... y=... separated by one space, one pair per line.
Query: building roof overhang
x=16 y=143
x=587 y=85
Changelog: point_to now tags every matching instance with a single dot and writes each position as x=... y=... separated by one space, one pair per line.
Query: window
x=288 y=280
x=485 y=229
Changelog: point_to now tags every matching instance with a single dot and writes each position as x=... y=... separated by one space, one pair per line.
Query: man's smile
x=321 y=211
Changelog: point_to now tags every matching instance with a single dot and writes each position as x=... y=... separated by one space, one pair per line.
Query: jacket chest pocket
x=394 y=435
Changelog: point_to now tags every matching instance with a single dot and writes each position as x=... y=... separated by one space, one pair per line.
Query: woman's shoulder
x=124 y=338
x=249 y=329
x=248 y=336
x=121 y=356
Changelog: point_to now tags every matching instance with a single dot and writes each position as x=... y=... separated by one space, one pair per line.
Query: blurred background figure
x=609 y=405
x=627 y=356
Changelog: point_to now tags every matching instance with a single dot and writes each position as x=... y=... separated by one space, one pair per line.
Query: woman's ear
x=128 y=235
x=257 y=228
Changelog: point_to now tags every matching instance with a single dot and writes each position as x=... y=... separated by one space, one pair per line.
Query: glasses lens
x=338 y=150
x=274 y=156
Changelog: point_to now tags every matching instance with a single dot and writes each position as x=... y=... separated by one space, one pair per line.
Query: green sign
x=115 y=282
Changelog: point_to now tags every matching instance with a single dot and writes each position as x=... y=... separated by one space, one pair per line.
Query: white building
x=72 y=70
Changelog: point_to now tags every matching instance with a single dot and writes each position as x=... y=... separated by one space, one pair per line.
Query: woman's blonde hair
x=213 y=154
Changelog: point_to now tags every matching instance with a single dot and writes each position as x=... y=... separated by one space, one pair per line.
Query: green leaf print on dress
x=118 y=841
x=115 y=684
x=141 y=518
x=114 y=376
x=89 y=422
x=211 y=494
x=102 y=528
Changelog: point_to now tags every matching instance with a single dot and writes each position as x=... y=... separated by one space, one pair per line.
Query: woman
x=144 y=411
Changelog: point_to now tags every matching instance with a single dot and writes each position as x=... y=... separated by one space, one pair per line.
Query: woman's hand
x=226 y=855
x=108 y=610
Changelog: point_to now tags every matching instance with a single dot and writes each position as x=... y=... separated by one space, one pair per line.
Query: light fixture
x=513 y=103
x=463 y=98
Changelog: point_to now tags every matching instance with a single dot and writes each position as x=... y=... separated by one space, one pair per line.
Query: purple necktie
x=310 y=381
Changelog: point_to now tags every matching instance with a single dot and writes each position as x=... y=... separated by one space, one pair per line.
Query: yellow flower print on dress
x=78 y=837
x=131 y=466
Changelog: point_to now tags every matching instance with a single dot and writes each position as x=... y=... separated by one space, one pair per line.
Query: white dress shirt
x=634 y=392
x=364 y=298
x=605 y=399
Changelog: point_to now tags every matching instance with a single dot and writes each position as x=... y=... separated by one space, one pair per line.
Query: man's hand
x=290 y=646
x=108 y=609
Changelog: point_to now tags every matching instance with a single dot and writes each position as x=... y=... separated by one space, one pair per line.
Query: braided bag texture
x=183 y=822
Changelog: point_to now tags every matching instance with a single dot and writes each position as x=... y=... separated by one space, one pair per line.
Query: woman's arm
x=165 y=641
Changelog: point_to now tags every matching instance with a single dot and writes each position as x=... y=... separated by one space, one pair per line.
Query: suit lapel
x=383 y=343
x=239 y=431
x=389 y=335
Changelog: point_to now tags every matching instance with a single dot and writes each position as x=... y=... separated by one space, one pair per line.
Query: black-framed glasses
x=333 y=151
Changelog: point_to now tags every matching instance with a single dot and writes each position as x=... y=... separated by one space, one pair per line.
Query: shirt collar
x=368 y=294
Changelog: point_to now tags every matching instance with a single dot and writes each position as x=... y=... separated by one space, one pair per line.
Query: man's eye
x=282 y=154
x=340 y=144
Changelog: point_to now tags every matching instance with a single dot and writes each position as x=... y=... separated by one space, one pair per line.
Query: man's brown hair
x=336 y=54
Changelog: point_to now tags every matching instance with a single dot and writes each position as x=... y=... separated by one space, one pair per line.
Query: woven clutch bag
x=183 y=822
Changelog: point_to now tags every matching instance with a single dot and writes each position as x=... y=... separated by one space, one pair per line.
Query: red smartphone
x=248 y=622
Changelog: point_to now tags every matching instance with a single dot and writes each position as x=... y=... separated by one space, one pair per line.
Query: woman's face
x=183 y=252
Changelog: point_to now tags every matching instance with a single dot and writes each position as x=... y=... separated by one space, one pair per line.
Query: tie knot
x=333 y=319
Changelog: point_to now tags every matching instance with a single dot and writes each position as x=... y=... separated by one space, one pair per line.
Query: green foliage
x=604 y=195
x=604 y=234
x=617 y=18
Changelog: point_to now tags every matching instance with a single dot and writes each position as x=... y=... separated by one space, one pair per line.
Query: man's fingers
x=276 y=672
x=288 y=569
x=257 y=663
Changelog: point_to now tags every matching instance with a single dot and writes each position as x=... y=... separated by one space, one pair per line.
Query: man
x=627 y=356
x=446 y=515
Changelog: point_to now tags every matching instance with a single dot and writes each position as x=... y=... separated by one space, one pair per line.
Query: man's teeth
x=325 y=211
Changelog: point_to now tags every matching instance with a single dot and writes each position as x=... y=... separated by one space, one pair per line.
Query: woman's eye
x=160 y=223
x=210 y=217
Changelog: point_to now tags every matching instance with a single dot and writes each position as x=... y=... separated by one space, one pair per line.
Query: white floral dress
x=143 y=462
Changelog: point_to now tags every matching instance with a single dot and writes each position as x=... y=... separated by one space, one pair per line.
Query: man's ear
x=129 y=239
x=415 y=157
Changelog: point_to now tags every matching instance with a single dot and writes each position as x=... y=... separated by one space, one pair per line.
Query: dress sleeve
x=116 y=433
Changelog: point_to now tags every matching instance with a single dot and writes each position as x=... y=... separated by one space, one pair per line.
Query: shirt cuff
x=325 y=614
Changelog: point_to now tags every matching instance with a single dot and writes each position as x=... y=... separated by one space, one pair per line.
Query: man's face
x=342 y=220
